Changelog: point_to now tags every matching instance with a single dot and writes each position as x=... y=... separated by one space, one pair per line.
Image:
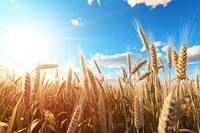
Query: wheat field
x=86 y=103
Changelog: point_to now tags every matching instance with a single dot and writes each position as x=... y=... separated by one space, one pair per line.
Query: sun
x=26 y=48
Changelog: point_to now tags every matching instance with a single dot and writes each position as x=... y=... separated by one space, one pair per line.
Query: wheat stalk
x=196 y=81
x=161 y=65
x=102 y=113
x=129 y=62
x=97 y=66
x=77 y=78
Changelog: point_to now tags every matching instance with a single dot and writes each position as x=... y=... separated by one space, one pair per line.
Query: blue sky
x=103 y=30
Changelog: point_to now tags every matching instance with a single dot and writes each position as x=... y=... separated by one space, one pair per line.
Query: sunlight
x=26 y=48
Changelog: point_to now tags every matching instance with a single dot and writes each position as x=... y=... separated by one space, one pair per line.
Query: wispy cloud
x=114 y=61
x=77 y=22
x=91 y=1
x=5 y=32
x=193 y=54
x=15 y=3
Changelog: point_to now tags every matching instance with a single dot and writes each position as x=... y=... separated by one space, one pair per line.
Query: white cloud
x=193 y=54
x=157 y=43
x=111 y=77
x=77 y=22
x=152 y=3
x=133 y=3
x=114 y=61
x=164 y=48
x=99 y=2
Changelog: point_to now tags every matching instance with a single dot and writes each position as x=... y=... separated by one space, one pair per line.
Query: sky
x=49 y=31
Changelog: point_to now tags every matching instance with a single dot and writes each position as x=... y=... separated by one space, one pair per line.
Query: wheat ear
x=143 y=39
x=75 y=120
x=138 y=66
x=36 y=82
x=69 y=79
x=124 y=72
x=83 y=64
x=46 y=66
x=27 y=92
x=182 y=62
x=137 y=116
x=169 y=58
x=154 y=63
x=93 y=83
x=175 y=60
x=168 y=115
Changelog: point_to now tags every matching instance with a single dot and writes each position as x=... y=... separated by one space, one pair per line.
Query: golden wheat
x=143 y=38
x=168 y=115
x=46 y=66
x=182 y=62
x=169 y=59
x=138 y=66
x=27 y=92
x=154 y=64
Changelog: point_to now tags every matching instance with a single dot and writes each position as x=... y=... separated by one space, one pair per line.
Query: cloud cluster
x=133 y=3
x=152 y=3
x=193 y=54
x=116 y=60
x=77 y=22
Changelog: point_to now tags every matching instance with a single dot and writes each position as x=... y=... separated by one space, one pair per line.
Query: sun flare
x=27 y=48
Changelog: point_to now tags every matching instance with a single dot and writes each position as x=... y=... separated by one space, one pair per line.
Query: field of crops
x=86 y=103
